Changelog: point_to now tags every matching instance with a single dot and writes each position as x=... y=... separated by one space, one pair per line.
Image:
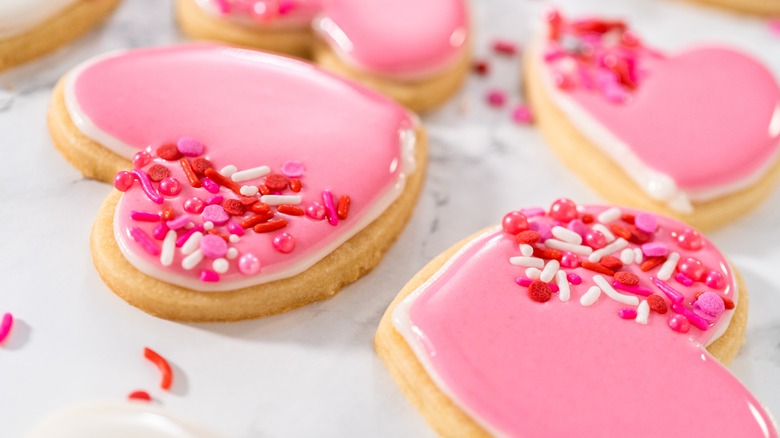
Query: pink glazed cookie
x=248 y=184
x=414 y=51
x=668 y=133
x=575 y=321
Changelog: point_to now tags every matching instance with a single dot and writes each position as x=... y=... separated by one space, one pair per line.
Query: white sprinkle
x=642 y=312
x=605 y=231
x=248 y=190
x=565 y=246
x=192 y=260
x=638 y=256
x=220 y=266
x=607 y=250
x=228 y=170
x=566 y=235
x=548 y=273
x=208 y=225
x=563 y=285
x=533 y=273
x=609 y=215
x=627 y=256
x=232 y=253
x=280 y=199
x=591 y=296
x=527 y=262
x=168 y=248
x=192 y=243
x=234 y=238
x=667 y=269
x=253 y=173
x=607 y=288
x=526 y=250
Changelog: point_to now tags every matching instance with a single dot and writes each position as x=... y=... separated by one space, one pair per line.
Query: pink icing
x=249 y=109
x=691 y=112
x=524 y=368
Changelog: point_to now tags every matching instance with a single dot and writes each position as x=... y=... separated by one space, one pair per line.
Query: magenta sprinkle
x=145 y=241
x=646 y=222
x=5 y=326
x=715 y=280
x=216 y=199
x=144 y=216
x=330 y=209
x=496 y=98
x=190 y=147
x=183 y=238
x=544 y=229
x=209 y=276
x=670 y=292
x=141 y=159
x=683 y=279
x=213 y=246
x=146 y=185
x=655 y=249
x=209 y=185
x=578 y=227
x=525 y=282
x=693 y=318
x=636 y=289
x=710 y=303
x=678 y=323
x=160 y=231
x=570 y=260
x=292 y=169
x=235 y=228
x=522 y=115
x=175 y=224
x=215 y=214
x=574 y=278
x=123 y=180
x=627 y=313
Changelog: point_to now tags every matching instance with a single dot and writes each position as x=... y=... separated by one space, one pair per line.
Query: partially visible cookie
x=575 y=321
x=415 y=52
x=769 y=8
x=257 y=183
x=32 y=28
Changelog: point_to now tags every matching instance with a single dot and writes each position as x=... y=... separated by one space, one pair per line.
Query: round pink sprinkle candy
x=248 y=264
x=689 y=239
x=213 y=246
x=655 y=249
x=627 y=313
x=235 y=228
x=123 y=181
x=710 y=303
x=189 y=147
x=574 y=278
x=692 y=268
x=570 y=260
x=564 y=210
x=209 y=185
x=141 y=159
x=514 y=222
x=193 y=205
x=292 y=169
x=284 y=243
x=646 y=222
x=522 y=115
x=715 y=280
x=316 y=211
x=170 y=186
x=595 y=239
x=578 y=227
x=679 y=323
x=215 y=214
x=496 y=98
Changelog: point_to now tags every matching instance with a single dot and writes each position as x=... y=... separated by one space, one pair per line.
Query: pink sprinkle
x=170 y=186
x=160 y=231
x=655 y=249
x=141 y=159
x=316 y=211
x=213 y=246
x=504 y=47
x=284 y=243
x=570 y=260
x=522 y=115
x=286 y=6
x=179 y=222
x=183 y=238
x=209 y=185
x=679 y=323
x=525 y=282
x=5 y=326
x=145 y=241
x=544 y=229
x=209 y=276
x=146 y=185
x=774 y=26
x=194 y=205
x=189 y=147
x=574 y=278
x=715 y=280
x=553 y=53
x=216 y=199
x=533 y=212
x=330 y=209
x=646 y=222
x=670 y=292
x=627 y=313
x=683 y=279
x=144 y=216
x=635 y=289
x=578 y=227
x=496 y=98
x=235 y=228
x=215 y=214
x=248 y=264
x=123 y=180
x=293 y=169
x=710 y=303
x=693 y=318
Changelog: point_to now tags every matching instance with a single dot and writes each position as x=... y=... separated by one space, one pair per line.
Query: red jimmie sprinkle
x=620 y=231
x=627 y=278
x=295 y=185
x=657 y=304
x=548 y=253
x=189 y=172
x=260 y=208
x=611 y=262
x=651 y=263
x=140 y=395
x=342 y=211
x=528 y=237
x=168 y=152
x=627 y=218
x=248 y=200
x=728 y=303
x=481 y=68
x=276 y=182
x=224 y=237
x=264 y=190
x=292 y=210
x=162 y=365
x=167 y=213
x=504 y=47
x=254 y=220
x=270 y=226
x=595 y=267
x=223 y=181
x=587 y=218
x=234 y=207
x=200 y=164
x=157 y=172
x=638 y=236
x=539 y=291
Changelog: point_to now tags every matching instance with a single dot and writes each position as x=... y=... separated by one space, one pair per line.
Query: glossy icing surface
x=249 y=109
x=392 y=37
x=16 y=16
x=581 y=370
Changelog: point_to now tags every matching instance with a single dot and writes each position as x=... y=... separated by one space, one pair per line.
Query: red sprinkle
x=260 y=208
x=595 y=267
x=528 y=237
x=496 y=98
x=611 y=262
x=167 y=213
x=254 y=220
x=140 y=395
x=657 y=304
x=189 y=172
x=270 y=226
x=481 y=68
x=539 y=291
x=342 y=211
x=548 y=253
x=627 y=278
x=729 y=304
x=651 y=263
x=157 y=172
x=620 y=231
x=292 y=210
x=295 y=185
x=168 y=152
x=276 y=182
x=234 y=207
x=246 y=201
x=628 y=218
x=200 y=164
x=264 y=190
x=587 y=218
x=504 y=47
x=223 y=181
x=638 y=236
x=162 y=365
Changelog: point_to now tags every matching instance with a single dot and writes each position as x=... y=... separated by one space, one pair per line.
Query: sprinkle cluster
x=566 y=238
x=595 y=54
x=258 y=10
x=233 y=202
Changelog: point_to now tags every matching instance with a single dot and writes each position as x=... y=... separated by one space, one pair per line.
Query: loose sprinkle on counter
x=166 y=373
x=5 y=325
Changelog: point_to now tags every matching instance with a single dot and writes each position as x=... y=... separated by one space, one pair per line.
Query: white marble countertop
x=312 y=371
